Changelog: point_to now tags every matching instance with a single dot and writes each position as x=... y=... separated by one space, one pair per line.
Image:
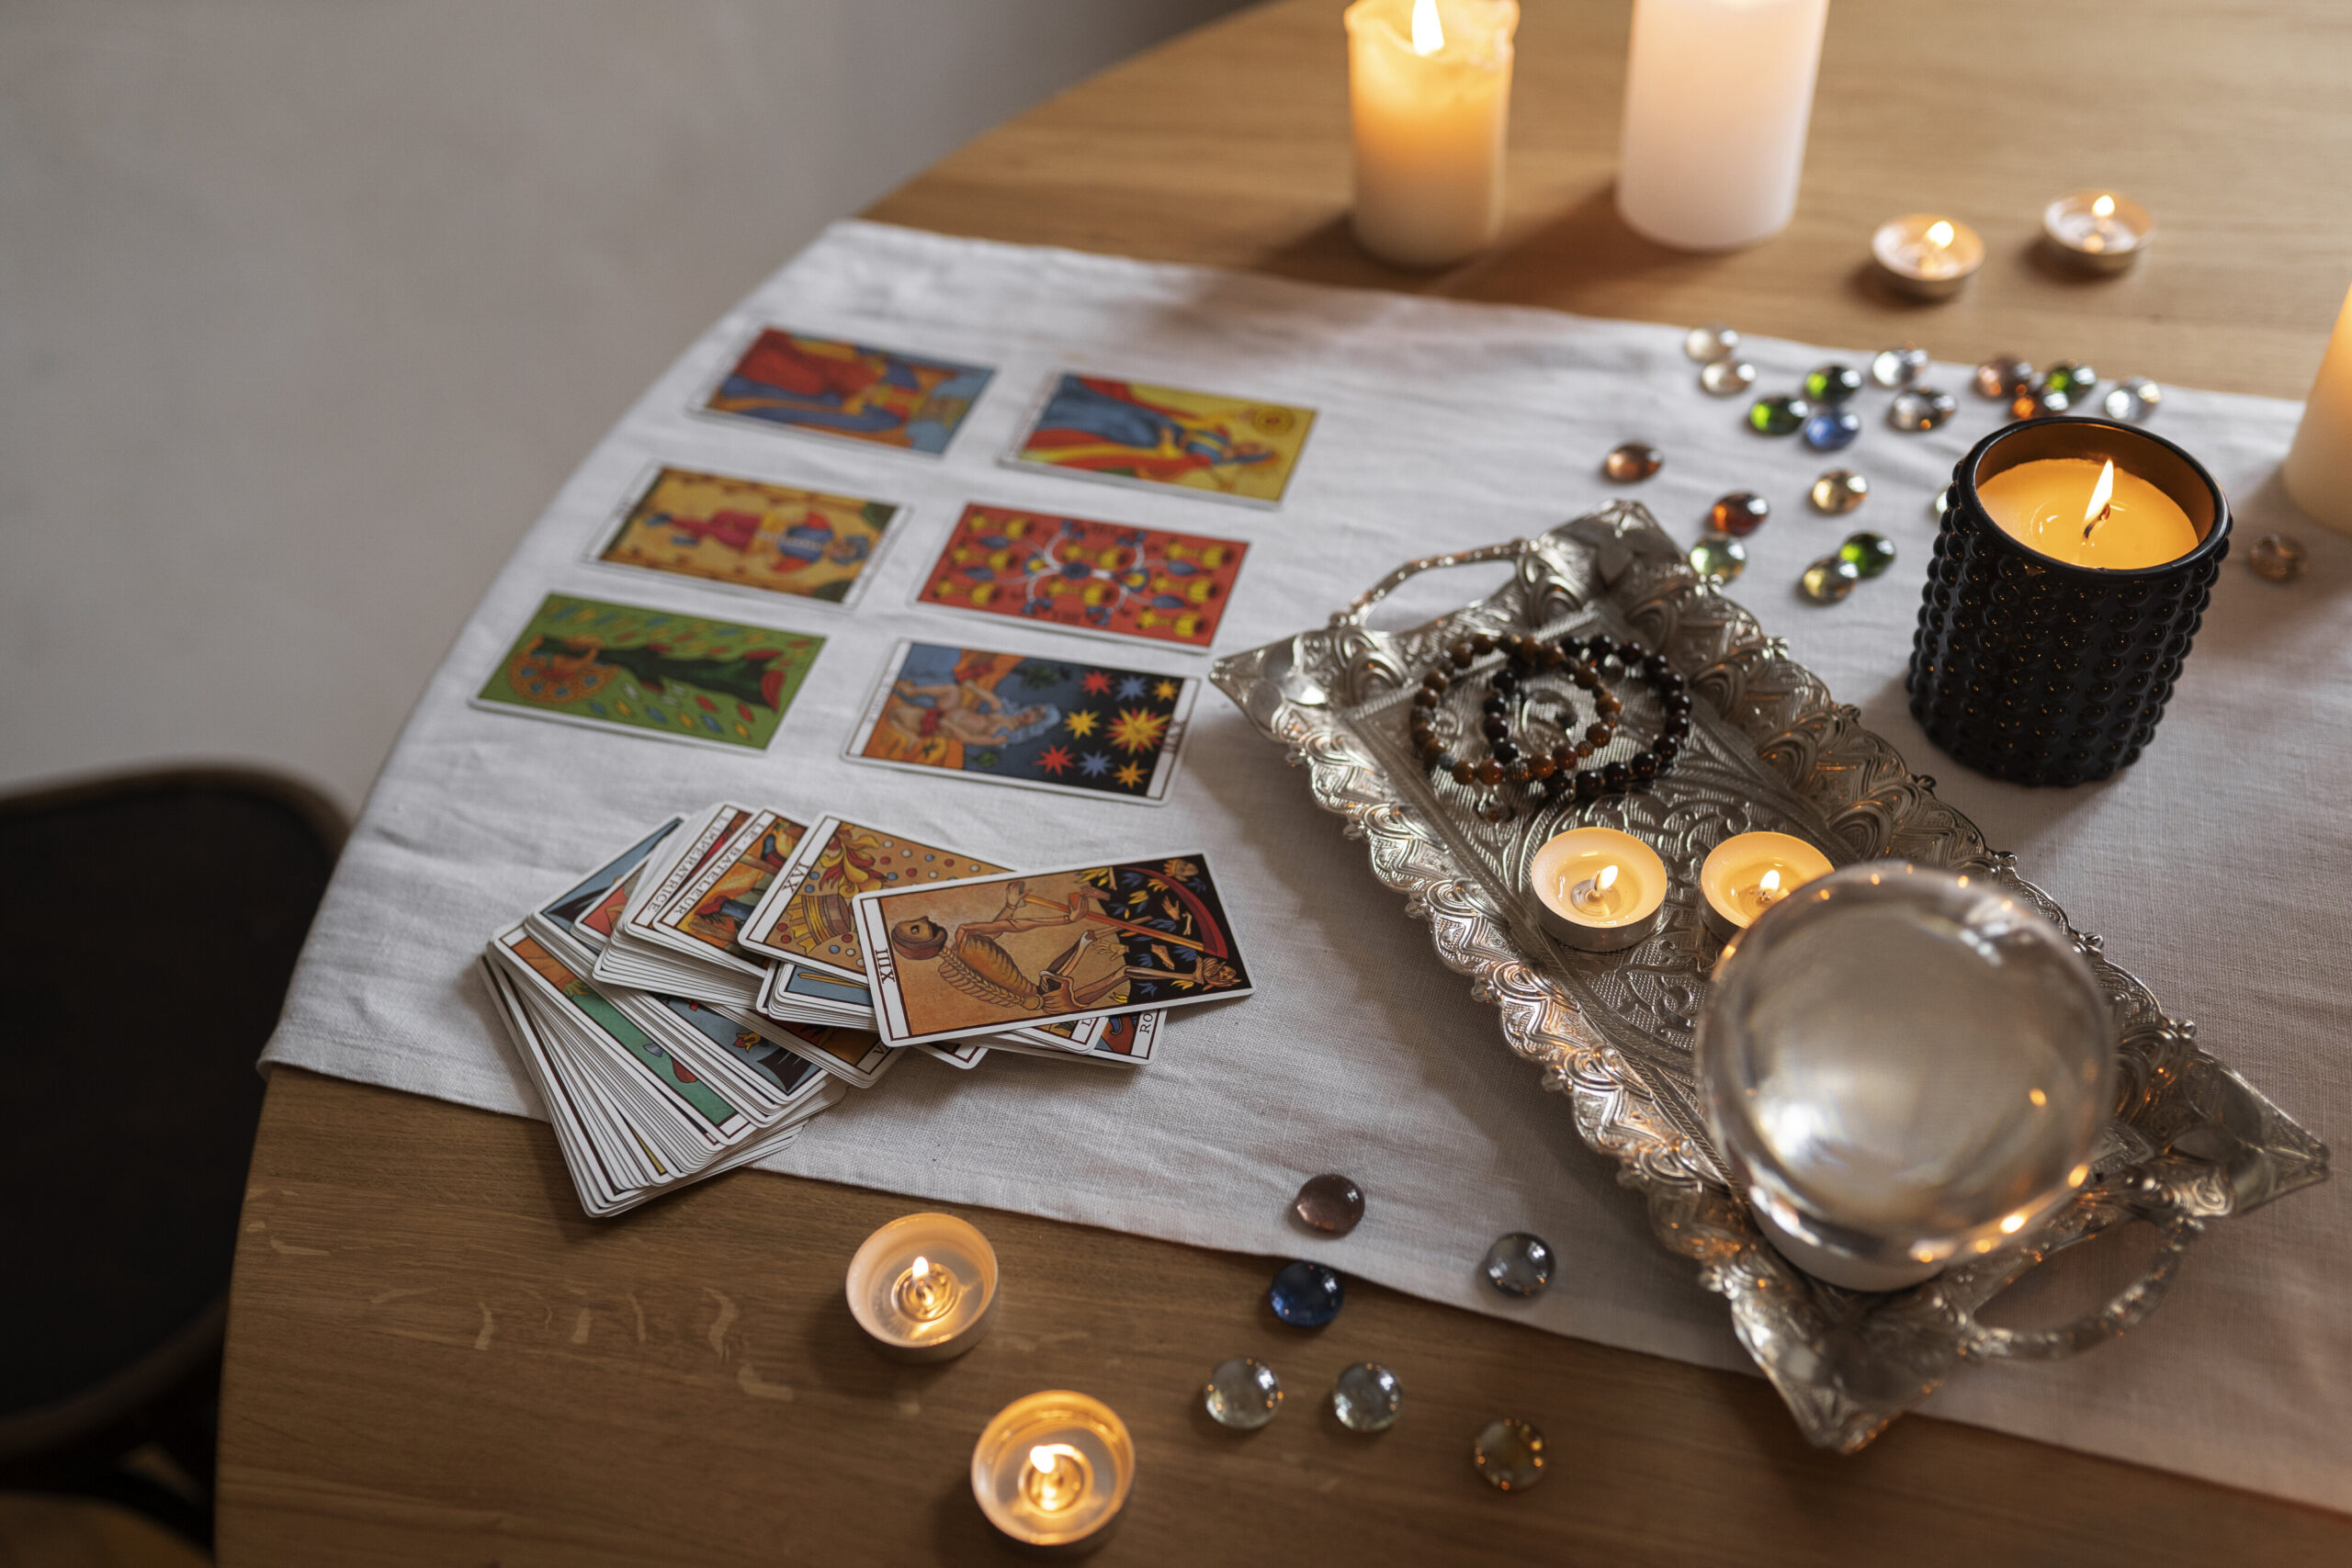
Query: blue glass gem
x=1306 y=1295
x=1832 y=428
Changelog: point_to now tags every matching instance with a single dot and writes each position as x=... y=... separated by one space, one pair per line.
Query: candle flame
x=1428 y=35
x=1939 y=234
x=2101 y=493
x=2103 y=208
x=1042 y=1458
x=1606 y=880
x=922 y=1268
x=1769 y=887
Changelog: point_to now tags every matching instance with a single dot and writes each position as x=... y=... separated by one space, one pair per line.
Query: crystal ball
x=1508 y=1454
x=1330 y=1204
x=1828 y=580
x=1634 y=460
x=1726 y=378
x=1242 y=1394
x=1718 y=558
x=1832 y=429
x=1306 y=1295
x=1519 y=1264
x=1778 y=416
x=1367 y=1398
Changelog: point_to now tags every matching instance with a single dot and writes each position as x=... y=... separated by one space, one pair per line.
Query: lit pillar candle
x=2318 y=470
x=1600 y=890
x=1429 y=94
x=1718 y=93
x=1053 y=1469
x=1749 y=872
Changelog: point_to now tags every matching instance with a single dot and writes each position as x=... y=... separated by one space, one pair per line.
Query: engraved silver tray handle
x=2190 y=1142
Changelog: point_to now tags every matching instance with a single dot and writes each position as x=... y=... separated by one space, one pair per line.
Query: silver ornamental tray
x=2191 y=1141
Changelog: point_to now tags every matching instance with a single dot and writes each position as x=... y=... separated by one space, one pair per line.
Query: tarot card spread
x=750 y=535
x=1164 y=437
x=1107 y=578
x=953 y=960
x=825 y=387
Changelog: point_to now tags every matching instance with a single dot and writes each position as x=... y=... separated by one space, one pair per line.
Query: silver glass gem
x=1367 y=1397
x=1242 y=1394
x=1508 y=1454
x=1895 y=368
x=1916 y=409
x=1713 y=341
x=1519 y=1264
x=1838 y=491
x=2133 y=400
x=2276 y=556
x=1726 y=378
x=2003 y=376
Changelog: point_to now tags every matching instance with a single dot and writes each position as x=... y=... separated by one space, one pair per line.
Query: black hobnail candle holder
x=2042 y=672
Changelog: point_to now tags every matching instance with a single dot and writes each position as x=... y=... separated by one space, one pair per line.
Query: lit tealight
x=923 y=1286
x=1598 y=889
x=1927 y=256
x=2097 y=230
x=1053 y=1469
x=1749 y=872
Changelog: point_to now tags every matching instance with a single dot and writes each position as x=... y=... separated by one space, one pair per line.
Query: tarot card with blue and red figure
x=847 y=391
x=1133 y=432
x=1108 y=579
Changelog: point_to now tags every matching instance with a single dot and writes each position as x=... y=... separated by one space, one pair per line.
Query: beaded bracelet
x=1560 y=772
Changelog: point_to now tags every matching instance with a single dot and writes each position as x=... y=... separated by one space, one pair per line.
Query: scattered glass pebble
x=1634 y=460
x=1741 y=513
x=1778 y=416
x=1715 y=341
x=2003 y=376
x=1895 y=368
x=2074 y=380
x=1508 y=1454
x=1306 y=1295
x=1832 y=383
x=1718 y=558
x=1242 y=1394
x=1330 y=1204
x=2133 y=400
x=2036 y=402
x=1367 y=1398
x=1828 y=580
x=1921 y=409
x=1833 y=429
x=1520 y=1264
x=1869 y=554
x=1726 y=378
x=1839 y=490
x=2276 y=556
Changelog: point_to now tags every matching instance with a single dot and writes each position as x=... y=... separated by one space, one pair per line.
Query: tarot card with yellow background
x=1159 y=437
x=750 y=535
x=805 y=915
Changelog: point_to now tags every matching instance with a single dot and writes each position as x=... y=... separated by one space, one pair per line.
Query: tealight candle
x=1429 y=95
x=1599 y=890
x=2097 y=230
x=1052 y=1471
x=1749 y=872
x=923 y=1286
x=2318 y=469
x=1927 y=256
x=2087 y=511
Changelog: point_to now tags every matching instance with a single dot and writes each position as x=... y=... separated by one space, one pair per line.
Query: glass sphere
x=1367 y=1398
x=1519 y=1264
x=1242 y=1394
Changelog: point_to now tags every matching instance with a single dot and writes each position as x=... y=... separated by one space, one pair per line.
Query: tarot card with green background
x=624 y=667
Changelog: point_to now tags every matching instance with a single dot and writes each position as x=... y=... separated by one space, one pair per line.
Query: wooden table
x=432 y=1358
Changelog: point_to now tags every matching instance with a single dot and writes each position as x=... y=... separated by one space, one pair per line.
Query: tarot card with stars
x=1071 y=725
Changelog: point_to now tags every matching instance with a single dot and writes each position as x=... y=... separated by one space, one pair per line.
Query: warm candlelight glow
x=1749 y=872
x=1599 y=889
x=2104 y=206
x=1769 y=887
x=1429 y=34
x=1428 y=104
x=1596 y=894
x=925 y=1293
x=1057 y=1477
x=1939 y=234
x=2097 y=510
x=2085 y=513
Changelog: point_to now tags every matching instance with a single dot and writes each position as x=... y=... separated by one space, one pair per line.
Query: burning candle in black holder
x=2074 y=565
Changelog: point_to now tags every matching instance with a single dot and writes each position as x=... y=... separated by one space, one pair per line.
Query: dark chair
x=147 y=927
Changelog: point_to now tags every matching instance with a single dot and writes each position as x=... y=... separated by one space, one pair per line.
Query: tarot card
x=788 y=994
x=655 y=672
x=1012 y=951
x=594 y=898
x=747 y=533
x=1129 y=432
x=804 y=916
x=857 y=1056
x=963 y=1057
x=1069 y=725
x=825 y=387
x=703 y=918
x=1105 y=579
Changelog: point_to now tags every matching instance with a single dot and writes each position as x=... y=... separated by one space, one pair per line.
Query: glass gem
x=1921 y=408
x=2003 y=376
x=1331 y=1204
x=2133 y=400
x=1895 y=368
x=2276 y=556
x=1508 y=1454
x=1869 y=554
x=1829 y=578
x=1718 y=558
x=1242 y=1394
x=1726 y=378
x=2074 y=380
x=1832 y=429
x=1778 y=416
x=1520 y=1264
x=1832 y=383
x=1741 y=513
x=1715 y=341
x=1306 y=1295
x=1367 y=1397
x=1634 y=460
x=1839 y=490
x=2035 y=401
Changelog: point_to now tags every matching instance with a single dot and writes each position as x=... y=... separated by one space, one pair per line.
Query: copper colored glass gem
x=2035 y=401
x=1715 y=341
x=1778 y=416
x=1918 y=409
x=1832 y=429
x=1330 y=1204
x=2276 y=556
x=1740 y=513
x=2074 y=380
x=1634 y=460
x=2133 y=400
x=1828 y=580
x=1832 y=383
x=1869 y=554
x=1508 y=1454
x=1895 y=368
x=1726 y=378
x=1839 y=490
x=2002 y=377
x=1718 y=558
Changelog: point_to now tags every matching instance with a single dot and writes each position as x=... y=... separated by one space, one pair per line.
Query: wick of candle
x=1590 y=894
x=2101 y=503
x=1429 y=33
x=1769 y=888
x=924 y=1293
x=1057 y=1477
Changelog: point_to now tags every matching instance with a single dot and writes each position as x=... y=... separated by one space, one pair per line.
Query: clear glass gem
x=2276 y=556
x=1520 y=1264
x=1242 y=1394
x=1718 y=558
x=1778 y=416
x=1367 y=1397
x=1921 y=408
x=2133 y=400
x=1832 y=383
x=1330 y=1204
x=1830 y=580
x=1895 y=368
x=1833 y=429
x=1306 y=1295
x=1869 y=554
x=1741 y=513
x=1508 y=1454
x=2074 y=380
x=2003 y=376
x=1726 y=378
x=1634 y=460
x=1839 y=490
x=1715 y=341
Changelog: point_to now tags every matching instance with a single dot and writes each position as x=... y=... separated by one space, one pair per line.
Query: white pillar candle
x=2318 y=470
x=1717 y=97
x=1429 y=93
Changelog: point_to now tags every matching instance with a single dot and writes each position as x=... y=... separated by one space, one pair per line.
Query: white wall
x=306 y=309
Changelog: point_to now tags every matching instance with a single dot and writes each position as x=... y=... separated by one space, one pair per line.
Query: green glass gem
x=1779 y=416
x=1833 y=383
x=1718 y=558
x=1869 y=554
x=2074 y=380
x=1829 y=578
